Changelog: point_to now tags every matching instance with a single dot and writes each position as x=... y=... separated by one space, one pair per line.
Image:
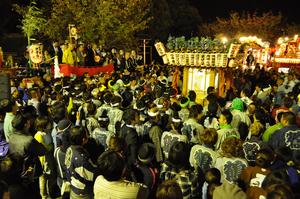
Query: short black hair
x=111 y=165
x=192 y=95
x=129 y=115
x=77 y=134
x=213 y=175
x=7 y=105
x=179 y=155
x=19 y=122
x=290 y=117
x=195 y=110
x=264 y=158
x=210 y=89
x=228 y=116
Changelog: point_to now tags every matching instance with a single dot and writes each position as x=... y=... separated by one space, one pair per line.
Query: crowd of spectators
x=132 y=135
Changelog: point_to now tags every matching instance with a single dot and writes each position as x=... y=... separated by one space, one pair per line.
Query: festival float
x=286 y=54
x=204 y=62
x=260 y=50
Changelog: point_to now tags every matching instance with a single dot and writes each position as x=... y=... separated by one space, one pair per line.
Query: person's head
x=210 y=90
x=209 y=137
x=176 y=121
x=288 y=118
x=237 y=104
x=283 y=154
x=116 y=144
x=43 y=124
x=103 y=119
x=260 y=115
x=264 y=158
x=251 y=108
x=179 y=155
x=78 y=136
x=9 y=106
x=91 y=109
x=111 y=165
x=192 y=95
x=94 y=46
x=256 y=128
x=184 y=102
x=290 y=76
x=71 y=46
x=213 y=109
x=232 y=147
x=225 y=117
x=196 y=111
x=34 y=94
x=169 y=190
x=130 y=116
x=213 y=175
x=280 y=191
x=146 y=153
x=107 y=97
x=275 y=177
x=279 y=81
x=58 y=111
x=245 y=92
x=116 y=101
x=287 y=102
x=20 y=123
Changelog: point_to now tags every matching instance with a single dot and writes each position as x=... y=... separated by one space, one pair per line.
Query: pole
x=144 y=51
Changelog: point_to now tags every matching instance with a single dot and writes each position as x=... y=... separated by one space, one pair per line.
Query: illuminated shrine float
x=286 y=54
x=205 y=61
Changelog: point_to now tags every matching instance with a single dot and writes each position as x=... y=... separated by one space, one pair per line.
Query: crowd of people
x=132 y=134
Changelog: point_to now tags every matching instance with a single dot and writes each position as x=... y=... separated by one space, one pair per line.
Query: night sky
x=208 y=9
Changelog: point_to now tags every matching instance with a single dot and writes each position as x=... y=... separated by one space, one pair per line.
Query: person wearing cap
x=184 y=112
x=238 y=114
x=106 y=98
x=172 y=135
x=146 y=171
x=62 y=139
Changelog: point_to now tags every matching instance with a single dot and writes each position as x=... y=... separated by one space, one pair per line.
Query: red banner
x=67 y=70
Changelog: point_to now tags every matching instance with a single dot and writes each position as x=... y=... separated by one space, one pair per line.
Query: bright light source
x=224 y=40
x=286 y=38
x=295 y=37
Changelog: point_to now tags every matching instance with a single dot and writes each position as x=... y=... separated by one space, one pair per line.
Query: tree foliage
x=266 y=26
x=110 y=21
x=33 y=21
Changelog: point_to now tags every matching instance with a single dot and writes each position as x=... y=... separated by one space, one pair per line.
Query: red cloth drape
x=67 y=70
